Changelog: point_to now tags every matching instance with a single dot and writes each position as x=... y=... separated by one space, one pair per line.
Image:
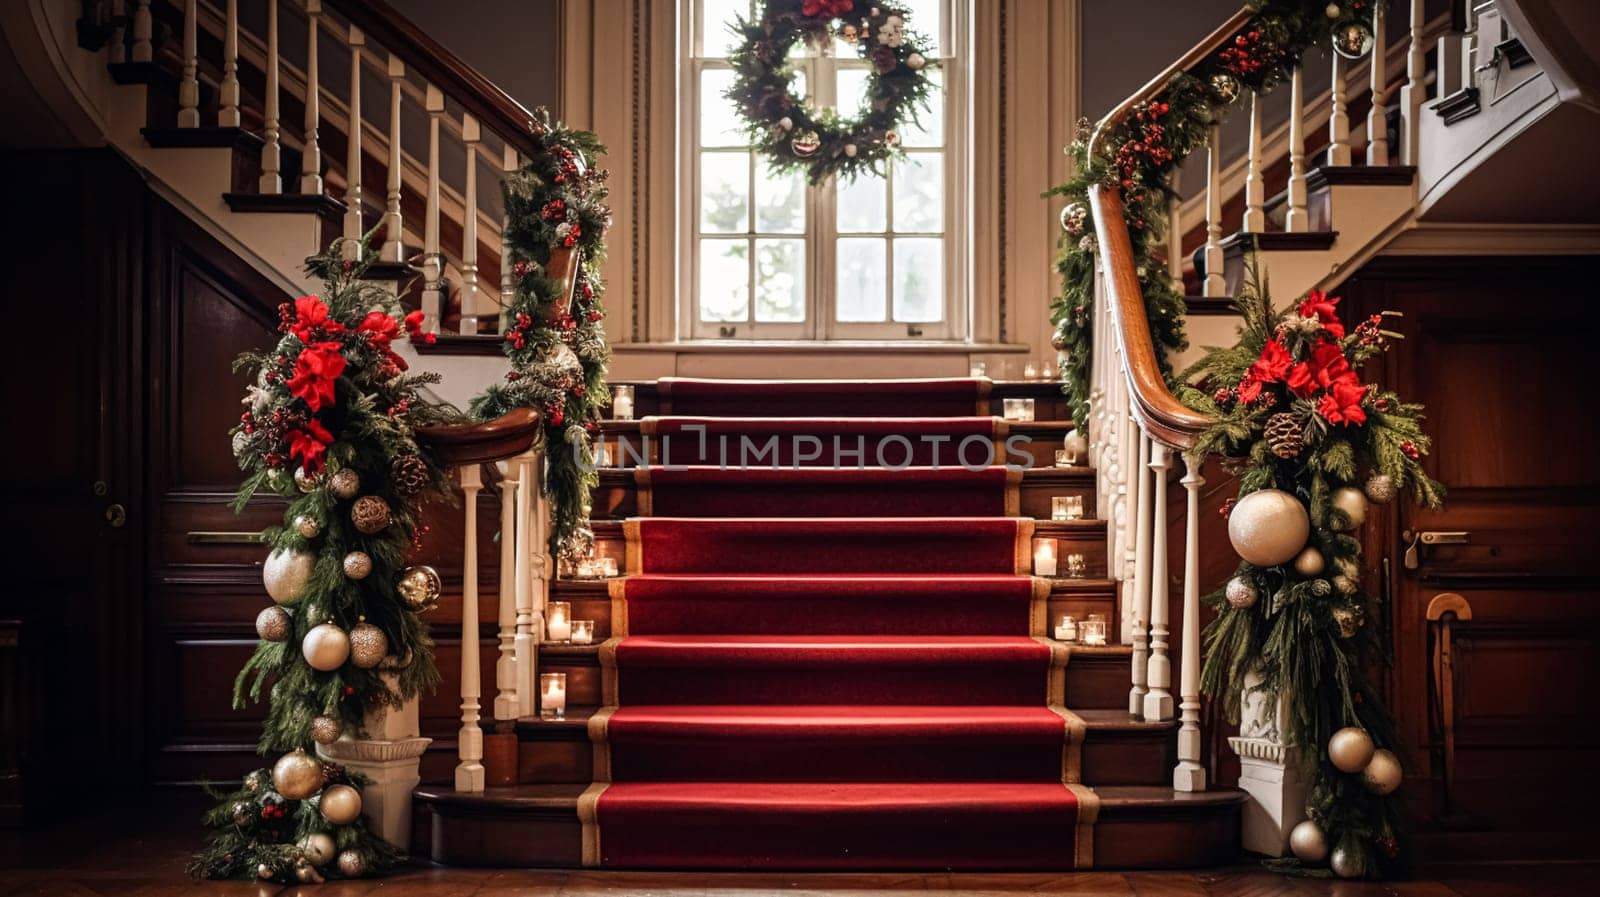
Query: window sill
x=810 y=346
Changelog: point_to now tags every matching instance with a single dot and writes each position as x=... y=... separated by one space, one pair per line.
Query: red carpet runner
x=833 y=669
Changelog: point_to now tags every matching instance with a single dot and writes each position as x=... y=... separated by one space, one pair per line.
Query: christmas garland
x=555 y=326
x=329 y=426
x=1140 y=152
x=795 y=136
x=1302 y=431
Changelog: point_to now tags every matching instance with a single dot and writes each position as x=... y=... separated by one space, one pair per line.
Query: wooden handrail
x=507 y=436
x=494 y=108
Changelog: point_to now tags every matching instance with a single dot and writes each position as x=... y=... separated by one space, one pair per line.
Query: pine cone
x=1285 y=435
x=409 y=474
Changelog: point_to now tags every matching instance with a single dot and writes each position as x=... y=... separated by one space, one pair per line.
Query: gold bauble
x=357 y=565
x=326 y=730
x=1346 y=863
x=420 y=588
x=1225 y=88
x=1380 y=489
x=1242 y=592
x=326 y=647
x=1353 y=502
x=1352 y=40
x=1349 y=621
x=317 y=847
x=1350 y=749
x=344 y=483
x=307 y=526
x=368 y=645
x=304 y=480
x=370 y=514
x=352 y=864
x=1268 y=527
x=1383 y=774
x=340 y=805
x=1309 y=563
x=297 y=775
x=273 y=623
x=286 y=574
x=1308 y=842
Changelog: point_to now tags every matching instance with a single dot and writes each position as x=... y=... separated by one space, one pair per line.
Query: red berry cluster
x=1248 y=55
x=521 y=269
x=568 y=164
x=517 y=336
x=554 y=210
x=1226 y=509
x=273 y=811
x=1224 y=395
x=571 y=239
x=1369 y=332
x=1146 y=147
x=1410 y=449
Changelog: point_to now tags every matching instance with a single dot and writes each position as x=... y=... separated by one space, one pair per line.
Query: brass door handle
x=1431 y=537
x=197 y=537
x=116 y=516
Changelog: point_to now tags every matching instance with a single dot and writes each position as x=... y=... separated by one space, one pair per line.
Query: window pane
x=928 y=129
x=861 y=205
x=724 y=280
x=918 y=279
x=780 y=280
x=922 y=17
x=719 y=122
x=851 y=89
x=718 y=38
x=861 y=262
x=780 y=201
x=724 y=192
x=919 y=193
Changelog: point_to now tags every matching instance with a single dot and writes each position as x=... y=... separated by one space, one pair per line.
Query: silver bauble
x=297 y=775
x=340 y=805
x=1346 y=863
x=1308 y=842
x=352 y=864
x=1383 y=774
x=805 y=143
x=1353 y=502
x=273 y=623
x=1350 y=749
x=368 y=645
x=1380 y=489
x=1352 y=40
x=242 y=812
x=326 y=647
x=1268 y=527
x=317 y=847
x=420 y=587
x=304 y=480
x=1242 y=592
x=370 y=514
x=326 y=730
x=344 y=483
x=1309 y=563
x=357 y=565
x=307 y=526
x=1225 y=88
x=264 y=872
x=286 y=574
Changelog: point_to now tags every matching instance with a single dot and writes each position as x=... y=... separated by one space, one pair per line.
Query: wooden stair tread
x=560 y=797
x=1280 y=241
x=284 y=203
x=1135 y=800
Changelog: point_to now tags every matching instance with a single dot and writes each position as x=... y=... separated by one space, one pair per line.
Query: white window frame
x=821 y=233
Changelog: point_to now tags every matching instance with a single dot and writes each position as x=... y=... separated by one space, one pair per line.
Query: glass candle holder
x=1093 y=632
x=1066 y=629
x=1074 y=507
x=583 y=632
x=1017 y=409
x=1058 y=507
x=1064 y=458
x=622 y=403
x=1077 y=567
x=607 y=567
x=979 y=369
x=1044 y=557
x=1030 y=371
x=553 y=695
x=558 y=621
x=587 y=569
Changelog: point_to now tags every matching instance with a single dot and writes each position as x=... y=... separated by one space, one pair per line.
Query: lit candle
x=1017 y=409
x=1030 y=371
x=553 y=695
x=1044 y=557
x=558 y=621
x=587 y=569
x=622 y=403
x=1067 y=630
x=1094 y=632
x=1074 y=507
x=1059 y=507
x=583 y=632
x=979 y=369
x=1077 y=567
x=608 y=566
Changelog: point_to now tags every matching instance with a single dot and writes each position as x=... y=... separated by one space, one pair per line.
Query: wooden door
x=1504 y=355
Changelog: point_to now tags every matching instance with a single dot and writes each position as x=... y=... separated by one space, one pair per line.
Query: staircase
x=833 y=655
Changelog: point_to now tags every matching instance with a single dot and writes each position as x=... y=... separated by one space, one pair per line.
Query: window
x=765 y=256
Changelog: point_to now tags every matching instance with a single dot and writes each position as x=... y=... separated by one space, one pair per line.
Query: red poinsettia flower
x=1326 y=366
x=382 y=330
x=309 y=444
x=1319 y=305
x=828 y=9
x=310 y=317
x=315 y=371
x=1342 y=402
x=1269 y=368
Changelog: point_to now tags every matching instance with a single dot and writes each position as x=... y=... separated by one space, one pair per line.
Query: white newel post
x=1190 y=775
x=389 y=756
x=1269 y=771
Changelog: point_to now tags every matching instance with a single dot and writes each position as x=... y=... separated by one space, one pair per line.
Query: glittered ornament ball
x=307 y=526
x=1380 y=489
x=368 y=645
x=370 y=514
x=1242 y=592
x=326 y=730
x=357 y=565
x=344 y=483
x=272 y=624
x=1382 y=774
x=1269 y=527
x=297 y=775
x=352 y=864
x=286 y=574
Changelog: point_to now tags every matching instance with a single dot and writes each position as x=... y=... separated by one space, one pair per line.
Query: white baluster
x=527 y=659
x=1378 y=115
x=189 y=87
x=470 y=135
x=1298 y=221
x=1175 y=234
x=432 y=259
x=1415 y=90
x=1141 y=581
x=507 y=704
x=1158 y=701
x=1339 y=116
x=469 y=771
x=352 y=159
x=228 y=92
x=394 y=245
x=143 y=50
x=1215 y=284
x=117 y=48
x=509 y=162
x=1255 y=186
x=272 y=147
x=1189 y=774
x=311 y=153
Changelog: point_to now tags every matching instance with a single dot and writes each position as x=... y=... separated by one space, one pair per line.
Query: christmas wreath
x=795 y=136
x=554 y=329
